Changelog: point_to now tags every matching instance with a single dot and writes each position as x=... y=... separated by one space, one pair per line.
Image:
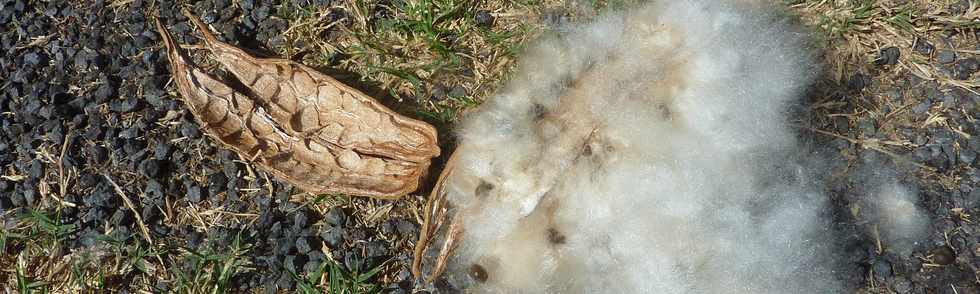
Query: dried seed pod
x=304 y=127
x=315 y=106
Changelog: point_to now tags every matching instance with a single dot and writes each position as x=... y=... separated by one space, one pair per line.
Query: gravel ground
x=86 y=107
x=107 y=182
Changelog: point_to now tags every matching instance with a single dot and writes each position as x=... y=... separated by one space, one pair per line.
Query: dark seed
x=538 y=111
x=483 y=189
x=555 y=237
x=478 y=273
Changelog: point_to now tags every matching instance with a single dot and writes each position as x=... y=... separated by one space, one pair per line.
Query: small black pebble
x=882 y=268
x=123 y=106
x=333 y=236
x=483 y=18
x=943 y=255
x=194 y=194
x=946 y=56
x=153 y=168
x=888 y=56
x=302 y=245
x=154 y=190
x=190 y=130
x=216 y=183
x=857 y=82
x=923 y=47
x=963 y=69
x=161 y=150
x=335 y=216
x=482 y=189
x=37 y=169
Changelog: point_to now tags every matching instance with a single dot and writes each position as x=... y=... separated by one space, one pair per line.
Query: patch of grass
x=904 y=18
x=410 y=48
x=49 y=227
x=36 y=258
x=30 y=245
x=334 y=279
x=26 y=284
x=211 y=270
x=847 y=18
x=83 y=275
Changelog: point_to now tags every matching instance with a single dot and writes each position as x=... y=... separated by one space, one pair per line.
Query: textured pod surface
x=304 y=127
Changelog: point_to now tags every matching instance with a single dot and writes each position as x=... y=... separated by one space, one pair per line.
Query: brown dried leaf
x=302 y=126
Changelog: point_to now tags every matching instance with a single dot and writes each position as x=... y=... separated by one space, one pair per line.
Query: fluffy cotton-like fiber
x=900 y=223
x=646 y=152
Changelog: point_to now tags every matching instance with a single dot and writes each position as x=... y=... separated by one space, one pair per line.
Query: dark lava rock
x=943 y=255
x=105 y=92
x=972 y=199
x=37 y=169
x=967 y=156
x=406 y=228
x=302 y=245
x=457 y=91
x=946 y=56
x=216 y=183
x=300 y=220
x=153 y=168
x=190 y=130
x=161 y=150
x=963 y=69
x=483 y=18
x=285 y=281
x=901 y=285
x=154 y=189
x=922 y=107
x=335 y=216
x=123 y=106
x=857 y=82
x=882 y=268
x=888 y=56
x=333 y=236
x=375 y=249
x=924 y=47
x=194 y=193
x=121 y=217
